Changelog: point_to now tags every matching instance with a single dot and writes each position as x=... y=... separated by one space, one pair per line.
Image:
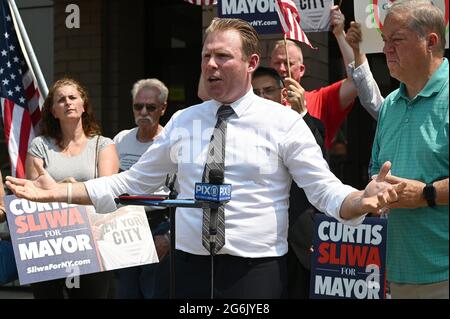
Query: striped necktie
x=216 y=160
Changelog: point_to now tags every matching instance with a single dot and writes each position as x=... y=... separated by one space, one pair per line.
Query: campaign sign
x=262 y=15
x=57 y=240
x=349 y=262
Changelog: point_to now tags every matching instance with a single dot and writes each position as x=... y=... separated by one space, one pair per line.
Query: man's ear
x=302 y=70
x=432 y=41
x=163 y=109
x=253 y=62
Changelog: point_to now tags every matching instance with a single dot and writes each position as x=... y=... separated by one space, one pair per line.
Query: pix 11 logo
x=378 y=8
x=73 y=19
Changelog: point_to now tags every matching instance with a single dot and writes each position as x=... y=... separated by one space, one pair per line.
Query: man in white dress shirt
x=266 y=148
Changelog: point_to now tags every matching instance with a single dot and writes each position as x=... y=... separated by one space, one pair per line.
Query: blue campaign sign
x=57 y=240
x=349 y=262
x=261 y=14
x=51 y=240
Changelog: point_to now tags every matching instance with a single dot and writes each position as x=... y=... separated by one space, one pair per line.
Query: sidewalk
x=15 y=292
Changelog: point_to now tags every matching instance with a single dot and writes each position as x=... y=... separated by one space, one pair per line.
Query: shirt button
x=406 y=120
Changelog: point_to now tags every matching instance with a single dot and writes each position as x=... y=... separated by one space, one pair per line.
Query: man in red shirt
x=330 y=104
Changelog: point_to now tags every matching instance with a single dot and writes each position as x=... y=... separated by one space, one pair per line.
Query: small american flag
x=202 y=2
x=290 y=21
x=19 y=96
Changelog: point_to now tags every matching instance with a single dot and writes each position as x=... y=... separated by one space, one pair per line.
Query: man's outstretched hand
x=39 y=190
x=380 y=194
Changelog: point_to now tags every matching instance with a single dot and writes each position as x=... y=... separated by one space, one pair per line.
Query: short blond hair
x=249 y=36
x=280 y=43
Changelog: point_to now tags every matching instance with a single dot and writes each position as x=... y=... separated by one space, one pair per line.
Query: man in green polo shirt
x=413 y=134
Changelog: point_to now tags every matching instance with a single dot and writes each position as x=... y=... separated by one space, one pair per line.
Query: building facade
x=118 y=42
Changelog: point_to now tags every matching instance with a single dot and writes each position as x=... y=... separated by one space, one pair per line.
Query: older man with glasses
x=149 y=104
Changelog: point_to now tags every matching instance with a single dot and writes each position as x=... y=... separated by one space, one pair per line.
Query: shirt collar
x=437 y=81
x=434 y=84
x=239 y=106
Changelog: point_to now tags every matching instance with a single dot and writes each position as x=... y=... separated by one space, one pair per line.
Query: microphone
x=215 y=190
x=216 y=176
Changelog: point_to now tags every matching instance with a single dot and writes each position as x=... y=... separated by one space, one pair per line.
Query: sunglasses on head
x=149 y=107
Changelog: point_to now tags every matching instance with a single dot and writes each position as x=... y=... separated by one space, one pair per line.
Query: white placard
x=314 y=15
x=371 y=14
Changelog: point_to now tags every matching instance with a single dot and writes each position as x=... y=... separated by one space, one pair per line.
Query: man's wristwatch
x=429 y=193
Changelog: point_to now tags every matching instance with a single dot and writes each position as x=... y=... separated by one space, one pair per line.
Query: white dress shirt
x=368 y=91
x=130 y=150
x=266 y=146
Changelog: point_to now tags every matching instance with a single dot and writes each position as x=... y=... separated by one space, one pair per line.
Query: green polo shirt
x=413 y=135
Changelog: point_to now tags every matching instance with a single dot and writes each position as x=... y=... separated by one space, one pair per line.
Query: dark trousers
x=147 y=281
x=234 y=277
x=91 y=286
x=299 y=277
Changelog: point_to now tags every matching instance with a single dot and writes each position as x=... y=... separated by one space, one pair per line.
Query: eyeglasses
x=149 y=107
x=270 y=90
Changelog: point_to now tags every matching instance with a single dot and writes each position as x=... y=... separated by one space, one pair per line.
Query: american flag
x=19 y=96
x=290 y=21
x=202 y=2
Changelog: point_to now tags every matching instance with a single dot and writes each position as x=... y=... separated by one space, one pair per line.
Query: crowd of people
x=276 y=192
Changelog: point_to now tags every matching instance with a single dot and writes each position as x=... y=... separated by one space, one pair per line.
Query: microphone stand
x=172 y=195
x=215 y=177
x=172 y=203
x=212 y=247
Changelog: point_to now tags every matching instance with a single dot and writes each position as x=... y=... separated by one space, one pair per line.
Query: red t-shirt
x=324 y=104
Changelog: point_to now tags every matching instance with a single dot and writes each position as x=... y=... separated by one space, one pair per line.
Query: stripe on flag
x=19 y=96
x=290 y=21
